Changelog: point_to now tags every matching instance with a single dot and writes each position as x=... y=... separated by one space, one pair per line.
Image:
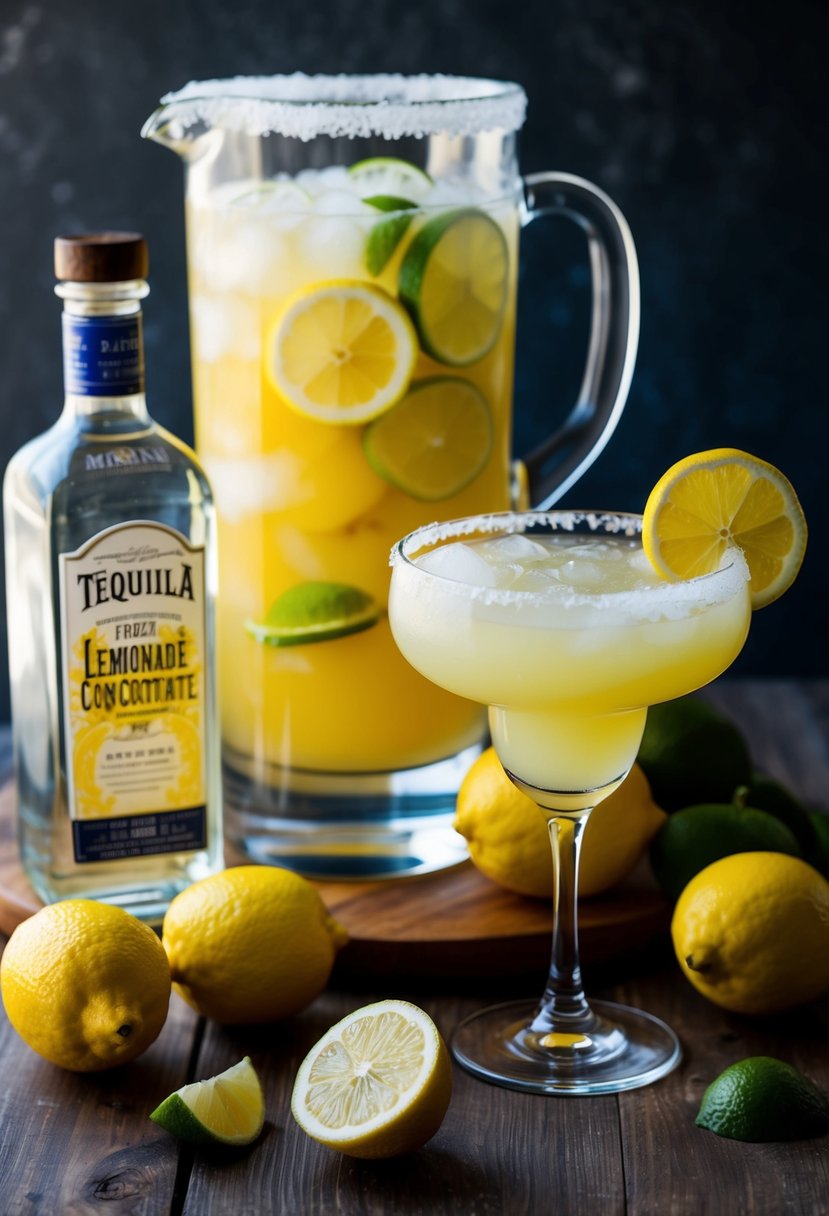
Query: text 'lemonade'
x=558 y=623
x=418 y=279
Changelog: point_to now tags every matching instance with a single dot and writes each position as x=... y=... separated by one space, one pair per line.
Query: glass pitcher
x=352 y=258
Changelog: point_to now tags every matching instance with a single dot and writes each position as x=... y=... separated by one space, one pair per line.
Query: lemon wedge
x=723 y=497
x=377 y=1084
x=341 y=352
x=226 y=1109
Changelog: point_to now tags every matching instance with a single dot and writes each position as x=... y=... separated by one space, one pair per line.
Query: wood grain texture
x=497 y=1151
x=72 y=1144
x=672 y=1167
x=75 y=1143
x=448 y=924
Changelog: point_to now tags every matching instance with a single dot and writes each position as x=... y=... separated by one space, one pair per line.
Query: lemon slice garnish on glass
x=453 y=280
x=377 y=1084
x=226 y=1109
x=316 y=612
x=434 y=441
x=341 y=352
x=723 y=497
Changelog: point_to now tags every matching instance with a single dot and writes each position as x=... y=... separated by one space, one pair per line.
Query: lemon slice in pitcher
x=453 y=280
x=341 y=352
x=720 y=497
x=433 y=442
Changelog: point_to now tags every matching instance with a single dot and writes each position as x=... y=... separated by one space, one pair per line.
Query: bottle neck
x=103 y=353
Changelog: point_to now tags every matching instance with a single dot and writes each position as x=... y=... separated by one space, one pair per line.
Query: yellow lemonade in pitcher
x=352 y=335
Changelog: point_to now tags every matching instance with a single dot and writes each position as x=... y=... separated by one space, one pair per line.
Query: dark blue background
x=703 y=121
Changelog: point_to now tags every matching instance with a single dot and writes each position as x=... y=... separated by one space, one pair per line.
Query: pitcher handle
x=557 y=463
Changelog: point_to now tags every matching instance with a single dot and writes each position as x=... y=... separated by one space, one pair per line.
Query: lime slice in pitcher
x=389 y=175
x=434 y=441
x=316 y=612
x=454 y=280
x=387 y=235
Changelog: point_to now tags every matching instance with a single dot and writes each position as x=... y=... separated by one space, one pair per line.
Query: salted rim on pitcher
x=390 y=106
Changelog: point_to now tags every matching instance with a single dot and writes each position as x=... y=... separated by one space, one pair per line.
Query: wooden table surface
x=72 y=1144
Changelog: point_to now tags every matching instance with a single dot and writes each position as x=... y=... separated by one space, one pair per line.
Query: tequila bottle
x=111 y=581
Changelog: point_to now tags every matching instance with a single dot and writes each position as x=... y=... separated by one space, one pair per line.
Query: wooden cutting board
x=452 y=924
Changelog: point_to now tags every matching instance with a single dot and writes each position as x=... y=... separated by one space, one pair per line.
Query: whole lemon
x=251 y=944
x=751 y=932
x=85 y=984
x=508 y=840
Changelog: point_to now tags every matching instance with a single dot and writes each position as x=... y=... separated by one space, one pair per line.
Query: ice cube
x=222 y=327
x=583 y=574
x=256 y=485
x=517 y=548
x=333 y=246
x=251 y=260
x=533 y=579
x=209 y=330
x=332 y=177
x=459 y=562
x=340 y=202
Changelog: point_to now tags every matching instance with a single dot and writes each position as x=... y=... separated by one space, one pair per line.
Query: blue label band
x=140 y=835
x=103 y=356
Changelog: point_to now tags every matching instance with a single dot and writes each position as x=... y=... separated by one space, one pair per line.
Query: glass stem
x=564 y=1007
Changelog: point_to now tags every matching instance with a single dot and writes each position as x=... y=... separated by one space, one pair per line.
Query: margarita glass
x=557 y=622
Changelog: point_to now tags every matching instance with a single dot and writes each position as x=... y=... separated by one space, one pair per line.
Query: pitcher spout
x=172 y=126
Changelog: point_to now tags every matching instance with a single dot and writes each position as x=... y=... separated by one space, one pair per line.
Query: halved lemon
x=453 y=280
x=226 y=1109
x=721 y=497
x=377 y=1084
x=434 y=441
x=341 y=352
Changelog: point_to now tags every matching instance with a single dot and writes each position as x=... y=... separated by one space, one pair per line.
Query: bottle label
x=132 y=603
x=103 y=356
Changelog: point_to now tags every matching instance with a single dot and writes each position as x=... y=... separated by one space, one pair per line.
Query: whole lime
x=762 y=1099
x=820 y=858
x=692 y=754
x=691 y=839
x=767 y=794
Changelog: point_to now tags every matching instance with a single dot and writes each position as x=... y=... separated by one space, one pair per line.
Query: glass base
x=622 y=1048
x=347 y=825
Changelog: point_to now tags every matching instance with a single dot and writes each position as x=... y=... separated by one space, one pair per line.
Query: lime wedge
x=454 y=281
x=433 y=442
x=387 y=235
x=390 y=175
x=316 y=612
x=226 y=1109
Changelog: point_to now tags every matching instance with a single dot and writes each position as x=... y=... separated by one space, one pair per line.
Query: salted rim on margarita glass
x=389 y=105
x=704 y=590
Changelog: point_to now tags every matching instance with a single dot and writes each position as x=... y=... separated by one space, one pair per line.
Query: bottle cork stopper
x=101 y=257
